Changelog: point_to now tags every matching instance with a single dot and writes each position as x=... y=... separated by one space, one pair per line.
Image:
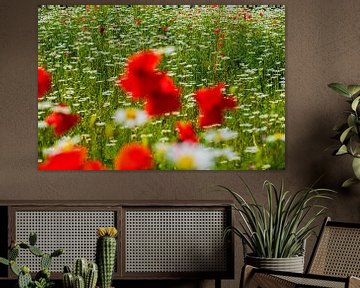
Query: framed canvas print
x=163 y=87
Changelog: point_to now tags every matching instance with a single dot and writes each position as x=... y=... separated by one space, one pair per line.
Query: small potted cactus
x=106 y=254
x=42 y=278
x=85 y=275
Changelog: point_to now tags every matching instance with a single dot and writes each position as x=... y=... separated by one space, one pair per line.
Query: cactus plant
x=105 y=254
x=42 y=278
x=80 y=268
x=84 y=274
x=79 y=282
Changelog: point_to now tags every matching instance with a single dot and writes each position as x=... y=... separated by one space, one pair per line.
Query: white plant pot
x=291 y=264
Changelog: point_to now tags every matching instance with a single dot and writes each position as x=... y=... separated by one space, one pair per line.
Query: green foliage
x=42 y=278
x=349 y=131
x=279 y=229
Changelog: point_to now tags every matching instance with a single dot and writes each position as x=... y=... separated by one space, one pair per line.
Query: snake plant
x=279 y=228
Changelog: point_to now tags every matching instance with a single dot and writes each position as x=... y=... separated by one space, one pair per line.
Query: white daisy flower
x=275 y=137
x=64 y=144
x=251 y=149
x=227 y=153
x=219 y=135
x=189 y=156
x=131 y=117
x=62 y=109
x=44 y=105
x=42 y=124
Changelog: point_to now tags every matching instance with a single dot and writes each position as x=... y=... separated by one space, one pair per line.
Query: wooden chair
x=335 y=262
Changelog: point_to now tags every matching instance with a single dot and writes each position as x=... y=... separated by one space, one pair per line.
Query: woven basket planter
x=291 y=264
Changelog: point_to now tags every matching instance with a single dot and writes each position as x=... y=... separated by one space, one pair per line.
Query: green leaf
x=353 y=89
x=340 y=88
x=4 y=261
x=356 y=167
x=349 y=182
x=355 y=103
x=32 y=238
x=342 y=150
x=345 y=134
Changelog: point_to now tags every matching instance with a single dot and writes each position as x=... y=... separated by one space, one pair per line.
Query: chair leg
x=246 y=274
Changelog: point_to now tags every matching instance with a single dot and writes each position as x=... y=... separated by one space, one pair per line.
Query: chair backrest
x=337 y=251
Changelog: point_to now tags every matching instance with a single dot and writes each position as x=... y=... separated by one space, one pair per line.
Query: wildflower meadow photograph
x=161 y=87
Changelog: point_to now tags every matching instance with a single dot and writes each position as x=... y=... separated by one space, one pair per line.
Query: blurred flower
x=93 y=165
x=155 y=87
x=137 y=21
x=212 y=104
x=190 y=156
x=227 y=153
x=247 y=16
x=130 y=117
x=73 y=159
x=164 y=29
x=261 y=13
x=101 y=29
x=186 y=132
x=165 y=97
x=67 y=155
x=61 y=119
x=251 y=149
x=275 y=137
x=214 y=6
x=217 y=31
x=44 y=82
x=219 y=135
x=134 y=156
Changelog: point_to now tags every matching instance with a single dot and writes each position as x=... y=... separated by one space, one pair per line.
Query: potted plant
x=42 y=278
x=349 y=132
x=276 y=233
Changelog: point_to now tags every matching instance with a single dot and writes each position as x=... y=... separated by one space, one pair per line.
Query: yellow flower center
x=278 y=136
x=185 y=162
x=218 y=137
x=130 y=113
x=67 y=146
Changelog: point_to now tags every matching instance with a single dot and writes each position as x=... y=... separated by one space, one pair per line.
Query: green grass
x=86 y=63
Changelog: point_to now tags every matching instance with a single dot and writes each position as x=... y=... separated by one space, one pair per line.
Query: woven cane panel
x=338 y=253
x=305 y=282
x=74 y=231
x=175 y=241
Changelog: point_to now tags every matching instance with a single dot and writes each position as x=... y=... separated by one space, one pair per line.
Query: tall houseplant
x=276 y=233
x=349 y=132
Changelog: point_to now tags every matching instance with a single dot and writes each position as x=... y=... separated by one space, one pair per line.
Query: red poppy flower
x=212 y=104
x=222 y=36
x=221 y=44
x=164 y=29
x=186 y=132
x=93 y=165
x=164 y=96
x=62 y=122
x=134 y=156
x=73 y=159
x=139 y=74
x=247 y=16
x=68 y=160
x=101 y=29
x=217 y=31
x=261 y=13
x=144 y=82
x=137 y=22
x=214 y=6
x=44 y=82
